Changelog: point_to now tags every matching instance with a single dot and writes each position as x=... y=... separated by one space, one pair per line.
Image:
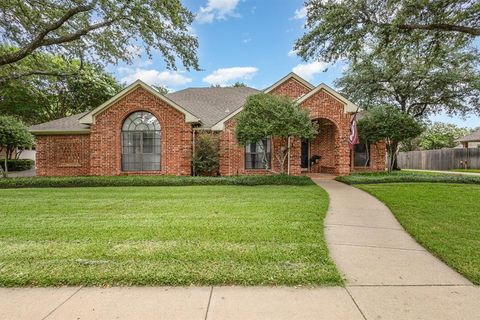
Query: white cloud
x=225 y=76
x=155 y=77
x=309 y=70
x=217 y=10
x=300 y=13
x=292 y=53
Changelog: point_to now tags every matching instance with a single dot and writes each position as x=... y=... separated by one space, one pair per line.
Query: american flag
x=353 y=137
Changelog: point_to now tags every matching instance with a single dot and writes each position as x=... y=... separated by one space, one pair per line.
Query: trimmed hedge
x=124 y=181
x=405 y=176
x=17 y=165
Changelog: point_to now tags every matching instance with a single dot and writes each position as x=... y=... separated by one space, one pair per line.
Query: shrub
x=124 y=181
x=206 y=156
x=17 y=165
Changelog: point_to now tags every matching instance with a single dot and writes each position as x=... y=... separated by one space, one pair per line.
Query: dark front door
x=304 y=154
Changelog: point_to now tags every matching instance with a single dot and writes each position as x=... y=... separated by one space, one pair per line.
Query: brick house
x=139 y=131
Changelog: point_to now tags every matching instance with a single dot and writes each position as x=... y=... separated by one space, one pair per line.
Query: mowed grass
x=444 y=218
x=189 y=235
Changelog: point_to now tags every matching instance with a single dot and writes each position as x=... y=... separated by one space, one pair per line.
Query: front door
x=304 y=160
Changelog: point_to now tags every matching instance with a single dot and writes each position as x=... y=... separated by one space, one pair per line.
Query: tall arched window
x=141 y=142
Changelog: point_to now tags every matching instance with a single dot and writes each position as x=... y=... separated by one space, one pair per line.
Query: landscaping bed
x=444 y=218
x=185 y=235
x=123 y=181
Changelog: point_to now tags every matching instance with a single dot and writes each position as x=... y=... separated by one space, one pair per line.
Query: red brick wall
x=331 y=143
x=99 y=153
x=105 y=135
x=232 y=155
x=323 y=145
x=62 y=155
x=324 y=106
x=291 y=88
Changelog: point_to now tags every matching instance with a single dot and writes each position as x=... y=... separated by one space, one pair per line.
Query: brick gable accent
x=290 y=88
x=335 y=154
x=175 y=136
x=99 y=153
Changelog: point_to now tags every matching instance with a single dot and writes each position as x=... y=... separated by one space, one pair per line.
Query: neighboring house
x=471 y=140
x=139 y=131
x=28 y=153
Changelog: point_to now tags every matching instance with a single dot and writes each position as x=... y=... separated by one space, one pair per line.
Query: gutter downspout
x=193 y=150
x=288 y=159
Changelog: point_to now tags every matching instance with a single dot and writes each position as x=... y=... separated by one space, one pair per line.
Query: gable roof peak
x=89 y=118
x=290 y=75
x=350 y=107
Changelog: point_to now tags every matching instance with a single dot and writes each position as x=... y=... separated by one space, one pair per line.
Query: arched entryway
x=324 y=152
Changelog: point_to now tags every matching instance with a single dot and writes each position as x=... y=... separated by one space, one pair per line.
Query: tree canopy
x=43 y=98
x=93 y=30
x=441 y=135
x=13 y=134
x=389 y=124
x=277 y=117
x=415 y=82
x=345 y=28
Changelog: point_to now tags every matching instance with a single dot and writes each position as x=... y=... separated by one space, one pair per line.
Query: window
x=361 y=157
x=141 y=142
x=254 y=155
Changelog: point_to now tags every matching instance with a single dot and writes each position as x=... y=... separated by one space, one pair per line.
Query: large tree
x=270 y=116
x=93 y=30
x=344 y=28
x=43 y=98
x=415 y=82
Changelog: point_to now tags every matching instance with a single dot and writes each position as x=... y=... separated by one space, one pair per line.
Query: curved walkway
x=389 y=275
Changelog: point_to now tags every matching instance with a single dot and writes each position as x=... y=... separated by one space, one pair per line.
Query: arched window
x=141 y=142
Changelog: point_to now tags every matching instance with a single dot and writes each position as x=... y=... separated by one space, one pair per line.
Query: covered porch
x=328 y=153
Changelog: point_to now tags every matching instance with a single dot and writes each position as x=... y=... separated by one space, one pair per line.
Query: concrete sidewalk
x=351 y=303
x=389 y=276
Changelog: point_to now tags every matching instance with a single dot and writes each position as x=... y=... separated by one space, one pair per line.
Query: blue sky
x=244 y=40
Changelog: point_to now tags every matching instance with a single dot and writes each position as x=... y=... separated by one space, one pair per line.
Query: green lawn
x=202 y=235
x=444 y=218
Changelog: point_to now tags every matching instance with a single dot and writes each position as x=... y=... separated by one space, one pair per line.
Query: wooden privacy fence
x=443 y=159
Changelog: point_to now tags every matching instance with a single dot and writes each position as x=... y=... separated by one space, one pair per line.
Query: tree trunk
x=392 y=156
x=367 y=150
x=4 y=171
x=282 y=154
x=395 y=145
x=264 y=155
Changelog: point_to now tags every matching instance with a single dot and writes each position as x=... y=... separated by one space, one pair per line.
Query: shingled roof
x=62 y=125
x=472 y=137
x=210 y=105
